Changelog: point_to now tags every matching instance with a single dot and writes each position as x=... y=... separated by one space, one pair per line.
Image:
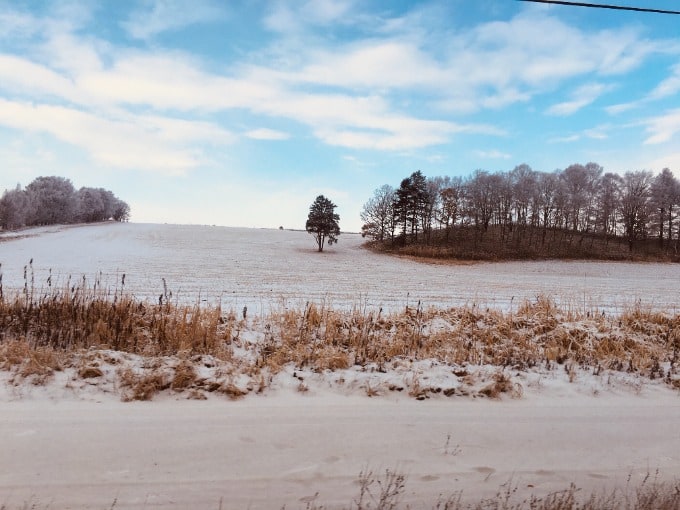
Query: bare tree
x=664 y=197
x=378 y=214
x=575 y=180
x=451 y=203
x=481 y=198
x=608 y=200
x=523 y=180
x=635 y=205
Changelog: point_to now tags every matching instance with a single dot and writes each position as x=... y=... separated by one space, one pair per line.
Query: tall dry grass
x=40 y=332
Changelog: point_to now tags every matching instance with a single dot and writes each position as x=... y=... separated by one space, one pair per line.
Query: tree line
x=53 y=200
x=529 y=213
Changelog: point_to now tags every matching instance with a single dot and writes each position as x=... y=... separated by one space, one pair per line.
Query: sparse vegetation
x=149 y=348
x=386 y=490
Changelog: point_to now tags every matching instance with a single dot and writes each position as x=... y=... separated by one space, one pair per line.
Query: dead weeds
x=43 y=335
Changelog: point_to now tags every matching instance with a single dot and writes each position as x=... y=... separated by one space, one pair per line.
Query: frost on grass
x=139 y=350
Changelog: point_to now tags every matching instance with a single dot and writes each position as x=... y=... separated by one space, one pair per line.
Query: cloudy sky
x=240 y=113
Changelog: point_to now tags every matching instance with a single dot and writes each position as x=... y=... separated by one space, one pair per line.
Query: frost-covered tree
x=53 y=200
x=14 y=208
x=322 y=222
x=97 y=204
x=121 y=211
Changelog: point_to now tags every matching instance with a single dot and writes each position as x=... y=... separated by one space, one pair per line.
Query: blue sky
x=240 y=113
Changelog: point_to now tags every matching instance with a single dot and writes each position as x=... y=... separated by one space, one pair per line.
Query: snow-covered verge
x=81 y=338
x=99 y=374
x=438 y=358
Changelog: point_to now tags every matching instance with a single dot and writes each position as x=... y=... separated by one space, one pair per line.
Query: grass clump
x=41 y=335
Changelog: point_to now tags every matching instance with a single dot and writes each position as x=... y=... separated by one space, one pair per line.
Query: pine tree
x=322 y=222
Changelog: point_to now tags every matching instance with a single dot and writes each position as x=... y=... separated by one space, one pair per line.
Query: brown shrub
x=90 y=372
x=141 y=386
x=501 y=384
x=34 y=364
x=184 y=376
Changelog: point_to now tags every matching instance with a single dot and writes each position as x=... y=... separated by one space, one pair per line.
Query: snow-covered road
x=267 y=452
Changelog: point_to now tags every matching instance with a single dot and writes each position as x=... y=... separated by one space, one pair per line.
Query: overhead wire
x=603 y=6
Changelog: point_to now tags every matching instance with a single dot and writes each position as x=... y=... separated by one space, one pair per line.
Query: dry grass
x=35 y=364
x=39 y=336
x=385 y=492
x=141 y=385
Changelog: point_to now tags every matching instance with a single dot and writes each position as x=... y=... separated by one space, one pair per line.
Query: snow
x=269 y=270
x=72 y=443
x=269 y=452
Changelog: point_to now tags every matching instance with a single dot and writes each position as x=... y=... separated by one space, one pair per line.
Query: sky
x=240 y=113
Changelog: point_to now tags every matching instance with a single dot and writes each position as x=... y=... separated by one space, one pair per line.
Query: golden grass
x=39 y=336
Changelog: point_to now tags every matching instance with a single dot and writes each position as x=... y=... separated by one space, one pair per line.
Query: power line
x=603 y=6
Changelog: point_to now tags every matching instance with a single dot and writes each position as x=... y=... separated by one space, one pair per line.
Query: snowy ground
x=270 y=269
x=73 y=444
x=264 y=452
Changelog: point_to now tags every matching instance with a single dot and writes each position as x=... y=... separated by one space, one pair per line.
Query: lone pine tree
x=322 y=222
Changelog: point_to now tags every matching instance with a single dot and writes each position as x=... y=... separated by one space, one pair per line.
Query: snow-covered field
x=270 y=269
x=73 y=444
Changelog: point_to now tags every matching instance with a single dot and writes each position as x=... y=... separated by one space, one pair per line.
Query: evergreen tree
x=322 y=222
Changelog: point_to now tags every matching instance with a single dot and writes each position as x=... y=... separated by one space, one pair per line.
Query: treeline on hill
x=578 y=212
x=53 y=200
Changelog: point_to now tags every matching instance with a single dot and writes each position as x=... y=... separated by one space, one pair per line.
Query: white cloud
x=327 y=11
x=565 y=139
x=267 y=134
x=490 y=66
x=670 y=160
x=64 y=51
x=668 y=87
x=348 y=95
x=145 y=143
x=383 y=64
x=597 y=133
x=663 y=128
x=172 y=81
x=17 y=25
x=24 y=77
x=294 y=16
x=492 y=154
x=158 y=16
x=615 y=109
x=582 y=97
